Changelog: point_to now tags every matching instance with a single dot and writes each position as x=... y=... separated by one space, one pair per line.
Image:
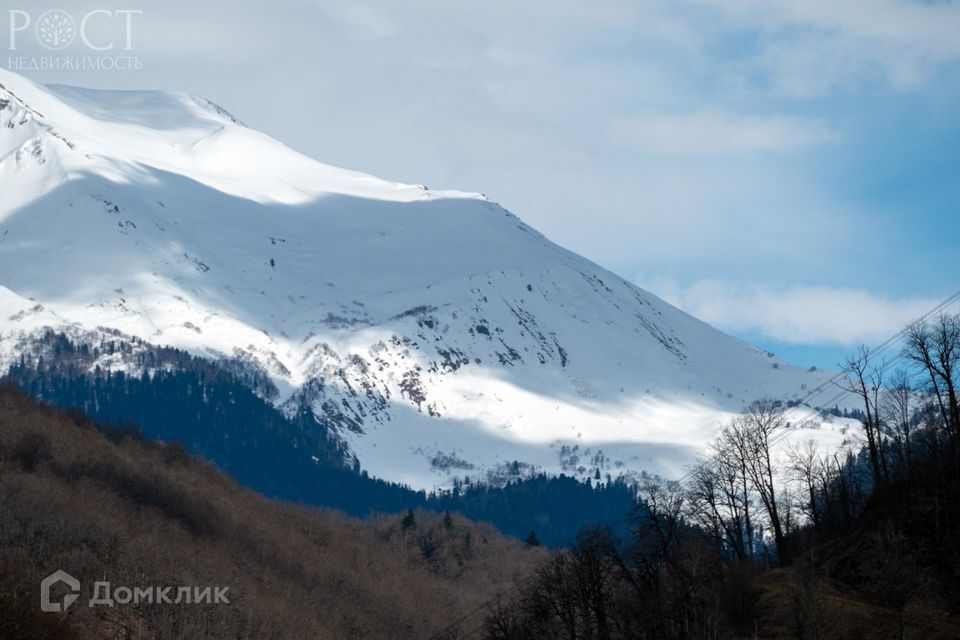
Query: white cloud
x=925 y=27
x=795 y=314
x=675 y=136
x=712 y=133
x=811 y=47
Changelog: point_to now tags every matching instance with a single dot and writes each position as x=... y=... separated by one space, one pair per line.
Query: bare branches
x=896 y=413
x=935 y=348
x=865 y=379
x=807 y=466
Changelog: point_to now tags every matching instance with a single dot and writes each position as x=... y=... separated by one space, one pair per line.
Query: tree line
x=804 y=531
x=223 y=414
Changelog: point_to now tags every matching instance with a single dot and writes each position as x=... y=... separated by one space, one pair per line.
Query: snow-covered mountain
x=435 y=330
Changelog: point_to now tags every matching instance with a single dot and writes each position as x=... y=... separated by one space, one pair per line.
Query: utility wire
x=835 y=379
x=840 y=395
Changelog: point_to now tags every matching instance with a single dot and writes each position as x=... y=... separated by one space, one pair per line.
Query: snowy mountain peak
x=121 y=135
x=437 y=332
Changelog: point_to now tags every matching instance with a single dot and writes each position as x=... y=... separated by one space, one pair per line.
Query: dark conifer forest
x=819 y=546
x=214 y=413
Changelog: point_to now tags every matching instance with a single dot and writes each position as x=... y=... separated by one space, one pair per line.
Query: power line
x=832 y=381
x=871 y=354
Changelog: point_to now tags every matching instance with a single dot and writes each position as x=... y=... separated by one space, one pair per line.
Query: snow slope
x=440 y=334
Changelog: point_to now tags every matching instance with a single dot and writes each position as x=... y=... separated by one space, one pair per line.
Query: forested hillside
x=211 y=409
x=815 y=545
x=109 y=506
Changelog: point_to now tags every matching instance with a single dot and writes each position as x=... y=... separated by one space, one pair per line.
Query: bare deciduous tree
x=719 y=500
x=865 y=379
x=896 y=409
x=936 y=348
x=807 y=466
x=753 y=432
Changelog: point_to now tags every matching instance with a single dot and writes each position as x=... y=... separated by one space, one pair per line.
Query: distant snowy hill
x=439 y=334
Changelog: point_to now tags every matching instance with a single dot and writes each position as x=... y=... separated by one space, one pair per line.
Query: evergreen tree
x=532 y=539
x=409 y=521
x=216 y=412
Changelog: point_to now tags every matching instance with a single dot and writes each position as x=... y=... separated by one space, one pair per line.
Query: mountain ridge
x=434 y=330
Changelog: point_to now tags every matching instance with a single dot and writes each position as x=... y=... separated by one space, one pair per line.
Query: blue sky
x=786 y=170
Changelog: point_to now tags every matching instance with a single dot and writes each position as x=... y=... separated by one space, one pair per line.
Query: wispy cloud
x=804 y=140
x=713 y=133
x=811 y=47
x=796 y=314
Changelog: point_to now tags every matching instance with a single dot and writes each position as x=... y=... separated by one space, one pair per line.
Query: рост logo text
x=57 y=29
